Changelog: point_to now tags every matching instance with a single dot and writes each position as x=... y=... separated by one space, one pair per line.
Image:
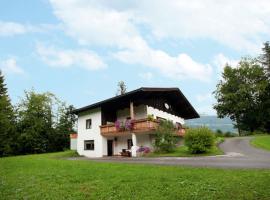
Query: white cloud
x=147 y=75
x=14 y=28
x=220 y=62
x=241 y=24
x=11 y=28
x=92 y=23
x=206 y=110
x=97 y=23
x=206 y=101
x=204 y=97
x=179 y=67
x=67 y=58
x=10 y=66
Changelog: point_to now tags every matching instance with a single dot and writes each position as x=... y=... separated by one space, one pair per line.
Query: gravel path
x=238 y=154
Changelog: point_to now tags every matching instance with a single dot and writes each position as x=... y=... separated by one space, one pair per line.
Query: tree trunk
x=238 y=128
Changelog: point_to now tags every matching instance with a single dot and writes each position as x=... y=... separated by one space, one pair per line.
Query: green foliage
x=199 y=140
x=150 y=117
x=259 y=132
x=240 y=94
x=35 y=124
x=7 y=120
x=39 y=123
x=165 y=140
x=265 y=58
x=219 y=133
x=183 y=151
x=44 y=124
x=64 y=127
x=265 y=61
x=229 y=134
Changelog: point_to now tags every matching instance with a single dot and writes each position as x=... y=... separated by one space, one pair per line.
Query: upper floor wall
x=142 y=111
x=161 y=114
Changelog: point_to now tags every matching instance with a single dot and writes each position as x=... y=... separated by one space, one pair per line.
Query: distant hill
x=213 y=122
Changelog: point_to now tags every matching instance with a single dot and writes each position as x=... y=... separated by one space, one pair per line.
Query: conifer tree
x=6 y=119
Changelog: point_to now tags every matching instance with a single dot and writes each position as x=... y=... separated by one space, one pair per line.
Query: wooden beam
x=131 y=110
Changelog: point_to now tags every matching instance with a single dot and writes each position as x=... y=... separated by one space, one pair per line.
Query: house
x=122 y=124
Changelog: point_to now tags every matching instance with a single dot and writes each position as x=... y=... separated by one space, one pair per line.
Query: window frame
x=86 y=124
x=91 y=142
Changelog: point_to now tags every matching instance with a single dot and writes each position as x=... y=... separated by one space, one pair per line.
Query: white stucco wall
x=159 y=113
x=100 y=142
x=144 y=140
x=121 y=143
x=73 y=143
x=91 y=134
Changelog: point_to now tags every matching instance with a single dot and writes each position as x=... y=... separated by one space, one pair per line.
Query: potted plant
x=129 y=124
x=150 y=117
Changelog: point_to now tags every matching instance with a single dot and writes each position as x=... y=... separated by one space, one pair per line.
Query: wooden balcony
x=139 y=126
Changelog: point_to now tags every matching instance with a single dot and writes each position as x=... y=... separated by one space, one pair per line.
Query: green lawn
x=49 y=177
x=182 y=151
x=262 y=142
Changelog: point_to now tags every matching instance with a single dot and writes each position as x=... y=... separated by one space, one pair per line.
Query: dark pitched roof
x=155 y=97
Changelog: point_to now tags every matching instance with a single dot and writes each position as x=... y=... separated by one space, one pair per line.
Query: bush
x=258 y=132
x=165 y=140
x=219 y=133
x=229 y=134
x=199 y=140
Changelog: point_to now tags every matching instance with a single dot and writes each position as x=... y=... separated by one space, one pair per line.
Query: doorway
x=110 y=147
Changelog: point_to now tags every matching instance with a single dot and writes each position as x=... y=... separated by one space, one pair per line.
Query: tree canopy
x=38 y=123
x=264 y=59
x=122 y=88
x=242 y=94
x=6 y=119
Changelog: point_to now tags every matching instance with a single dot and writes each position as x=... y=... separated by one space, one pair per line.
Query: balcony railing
x=139 y=126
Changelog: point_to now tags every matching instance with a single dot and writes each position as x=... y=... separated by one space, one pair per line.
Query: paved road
x=238 y=154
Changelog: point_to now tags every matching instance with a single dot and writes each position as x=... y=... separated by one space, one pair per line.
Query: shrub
x=199 y=140
x=165 y=140
x=258 y=132
x=219 y=133
x=150 y=117
x=143 y=150
x=229 y=134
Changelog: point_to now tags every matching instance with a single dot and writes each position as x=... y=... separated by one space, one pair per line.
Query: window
x=167 y=106
x=88 y=123
x=89 y=145
x=129 y=143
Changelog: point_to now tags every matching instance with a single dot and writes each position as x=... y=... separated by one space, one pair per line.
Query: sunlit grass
x=51 y=176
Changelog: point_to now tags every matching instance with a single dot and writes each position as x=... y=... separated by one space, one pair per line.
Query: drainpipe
x=134 y=147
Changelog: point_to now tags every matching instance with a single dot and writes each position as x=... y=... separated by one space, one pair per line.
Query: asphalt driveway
x=238 y=154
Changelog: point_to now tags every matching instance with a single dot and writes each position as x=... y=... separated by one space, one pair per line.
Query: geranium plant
x=129 y=124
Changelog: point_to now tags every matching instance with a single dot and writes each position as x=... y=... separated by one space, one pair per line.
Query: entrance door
x=110 y=147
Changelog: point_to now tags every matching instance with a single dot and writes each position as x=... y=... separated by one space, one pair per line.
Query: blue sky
x=80 y=49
